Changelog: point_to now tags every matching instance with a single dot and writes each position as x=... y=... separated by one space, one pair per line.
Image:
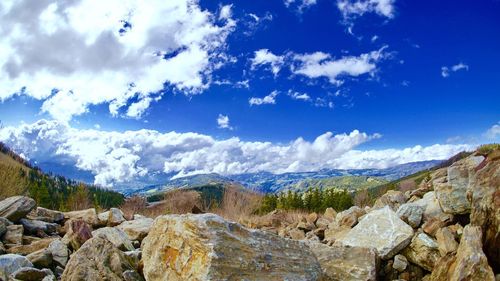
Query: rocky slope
x=447 y=229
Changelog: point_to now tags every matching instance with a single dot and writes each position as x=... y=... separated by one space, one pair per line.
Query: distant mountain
x=269 y=183
x=350 y=183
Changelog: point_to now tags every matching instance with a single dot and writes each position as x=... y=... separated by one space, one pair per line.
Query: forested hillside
x=19 y=177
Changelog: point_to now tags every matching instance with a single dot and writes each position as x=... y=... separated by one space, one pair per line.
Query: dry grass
x=407 y=185
x=363 y=198
x=237 y=204
x=181 y=201
x=133 y=205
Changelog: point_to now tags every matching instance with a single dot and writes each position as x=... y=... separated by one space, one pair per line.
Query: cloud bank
x=74 y=54
x=115 y=157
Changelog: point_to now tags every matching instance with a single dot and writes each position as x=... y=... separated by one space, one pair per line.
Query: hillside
x=19 y=177
x=349 y=183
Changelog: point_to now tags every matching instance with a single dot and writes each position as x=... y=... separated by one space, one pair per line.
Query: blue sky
x=403 y=74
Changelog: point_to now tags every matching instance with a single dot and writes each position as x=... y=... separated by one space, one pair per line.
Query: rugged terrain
x=445 y=229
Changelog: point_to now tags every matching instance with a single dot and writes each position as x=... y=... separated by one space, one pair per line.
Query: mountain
x=350 y=183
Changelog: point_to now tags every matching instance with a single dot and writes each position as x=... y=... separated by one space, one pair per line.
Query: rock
x=349 y=217
x=323 y=222
x=138 y=216
x=41 y=258
x=136 y=229
x=33 y=247
x=14 y=235
x=103 y=218
x=446 y=241
x=330 y=214
x=452 y=194
x=16 y=208
x=37 y=226
x=89 y=216
x=470 y=262
x=134 y=257
x=381 y=229
x=391 y=198
x=10 y=263
x=116 y=236
x=432 y=210
x=206 y=247
x=422 y=251
x=59 y=252
x=97 y=259
x=400 y=263
x=47 y=215
x=333 y=234
x=29 y=274
x=2 y=249
x=296 y=234
x=312 y=218
x=115 y=217
x=306 y=226
x=345 y=263
x=78 y=232
x=411 y=213
x=431 y=226
x=3 y=228
x=131 y=275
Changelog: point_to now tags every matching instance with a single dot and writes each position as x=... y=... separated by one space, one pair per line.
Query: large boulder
x=422 y=251
x=31 y=274
x=411 y=213
x=381 y=229
x=348 y=217
x=59 y=252
x=33 y=247
x=470 y=262
x=46 y=215
x=41 y=258
x=446 y=241
x=10 y=263
x=136 y=229
x=97 y=259
x=38 y=226
x=16 y=208
x=89 y=216
x=452 y=194
x=78 y=232
x=116 y=236
x=346 y=263
x=14 y=235
x=115 y=217
x=206 y=247
x=392 y=198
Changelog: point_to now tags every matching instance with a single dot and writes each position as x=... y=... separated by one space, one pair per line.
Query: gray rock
x=16 y=207
x=37 y=226
x=411 y=213
x=10 y=263
x=423 y=251
x=115 y=217
x=2 y=249
x=59 y=252
x=14 y=235
x=47 y=215
x=41 y=258
x=89 y=216
x=30 y=274
x=382 y=230
x=116 y=236
x=3 y=228
x=400 y=263
x=391 y=198
x=136 y=229
x=134 y=257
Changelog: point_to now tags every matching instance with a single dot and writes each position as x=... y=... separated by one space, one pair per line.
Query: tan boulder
x=330 y=214
x=422 y=251
x=33 y=247
x=16 y=207
x=333 y=234
x=78 y=232
x=59 y=252
x=382 y=230
x=297 y=234
x=41 y=258
x=206 y=247
x=411 y=213
x=97 y=259
x=89 y=216
x=392 y=198
x=446 y=241
x=346 y=263
x=116 y=236
x=312 y=218
x=46 y=215
x=349 y=217
x=136 y=229
x=13 y=235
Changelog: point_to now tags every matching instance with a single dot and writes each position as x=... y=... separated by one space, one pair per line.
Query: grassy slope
x=350 y=183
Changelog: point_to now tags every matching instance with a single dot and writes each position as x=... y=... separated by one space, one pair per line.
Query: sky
x=124 y=89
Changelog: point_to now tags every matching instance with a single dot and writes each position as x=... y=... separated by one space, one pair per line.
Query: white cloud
x=300 y=5
x=264 y=57
x=223 y=122
x=299 y=96
x=74 y=54
x=351 y=9
x=446 y=71
x=493 y=133
x=319 y=64
x=269 y=99
x=115 y=157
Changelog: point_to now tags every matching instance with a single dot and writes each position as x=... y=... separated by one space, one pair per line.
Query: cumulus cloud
x=319 y=64
x=352 y=9
x=74 y=54
x=269 y=99
x=223 y=122
x=299 y=5
x=264 y=57
x=493 y=133
x=115 y=157
x=446 y=71
x=299 y=96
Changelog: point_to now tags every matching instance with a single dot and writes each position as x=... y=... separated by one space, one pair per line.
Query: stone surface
x=14 y=235
x=136 y=229
x=33 y=247
x=346 y=263
x=10 y=263
x=89 y=216
x=297 y=234
x=16 y=207
x=3 y=228
x=47 y=215
x=97 y=259
x=37 y=226
x=452 y=195
x=432 y=210
x=330 y=214
x=400 y=263
x=349 y=217
x=78 y=232
x=470 y=262
x=41 y=258
x=29 y=274
x=2 y=249
x=422 y=251
x=206 y=247
x=411 y=213
x=115 y=217
x=323 y=222
x=392 y=198
x=59 y=252
x=103 y=218
x=333 y=234
x=446 y=241
x=381 y=229
x=312 y=218
x=116 y=236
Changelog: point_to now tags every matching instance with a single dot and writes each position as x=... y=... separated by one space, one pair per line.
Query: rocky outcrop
x=116 y=236
x=423 y=251
x=89 y=216
x=206 y=247
x=392 y=198
x=136 y=229
x=97 y=259
x=382 y=230
x=16 y=207
x=346 y=263
x=349 y=217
